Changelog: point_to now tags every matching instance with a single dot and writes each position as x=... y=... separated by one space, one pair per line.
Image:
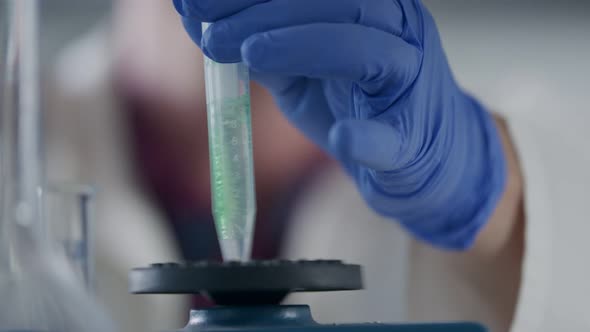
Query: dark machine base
x=298 y=319
x=246 y=283
x=248 y=295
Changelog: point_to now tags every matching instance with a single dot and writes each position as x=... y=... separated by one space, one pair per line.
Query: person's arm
x=370 y=84
x=493 y=265
x=504 y=232
x=374 y=91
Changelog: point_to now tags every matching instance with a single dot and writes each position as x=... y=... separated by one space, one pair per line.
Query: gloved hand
x=369 y=82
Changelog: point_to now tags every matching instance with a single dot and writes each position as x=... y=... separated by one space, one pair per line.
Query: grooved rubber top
x=246 y=283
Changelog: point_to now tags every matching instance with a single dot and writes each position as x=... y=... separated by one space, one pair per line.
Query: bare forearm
x=493 y=265
x=490 y=272
x=504 y=229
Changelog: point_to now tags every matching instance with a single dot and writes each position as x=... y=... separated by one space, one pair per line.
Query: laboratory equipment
x=253 y=283
x=69 y=216
x=38 y=291
x=230 y=151
x=21 y=113
x=248 y=295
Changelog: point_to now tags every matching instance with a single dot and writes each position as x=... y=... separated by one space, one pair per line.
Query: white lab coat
x=545 y=112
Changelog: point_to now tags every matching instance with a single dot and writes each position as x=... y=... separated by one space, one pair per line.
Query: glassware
x=230 y=150
x=38 y=289
x=68 y=213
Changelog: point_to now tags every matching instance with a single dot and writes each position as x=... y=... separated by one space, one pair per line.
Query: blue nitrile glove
x=369 y=82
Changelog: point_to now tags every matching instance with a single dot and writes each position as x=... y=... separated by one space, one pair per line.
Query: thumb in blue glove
x=368 y=81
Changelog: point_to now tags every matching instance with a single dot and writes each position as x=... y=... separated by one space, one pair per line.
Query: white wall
x=520 y=55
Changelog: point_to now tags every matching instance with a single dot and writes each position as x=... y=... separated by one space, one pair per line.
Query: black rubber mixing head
x=246 y=283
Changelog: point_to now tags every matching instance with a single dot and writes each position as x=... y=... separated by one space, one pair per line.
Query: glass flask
x=39 y=290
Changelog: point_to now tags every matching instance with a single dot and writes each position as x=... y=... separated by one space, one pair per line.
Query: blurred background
x=65 y=20
x=124 y=110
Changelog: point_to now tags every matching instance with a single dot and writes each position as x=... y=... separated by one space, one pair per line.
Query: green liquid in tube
x=230 y=152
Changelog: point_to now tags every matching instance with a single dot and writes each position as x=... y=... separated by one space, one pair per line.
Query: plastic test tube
x=230 y=151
